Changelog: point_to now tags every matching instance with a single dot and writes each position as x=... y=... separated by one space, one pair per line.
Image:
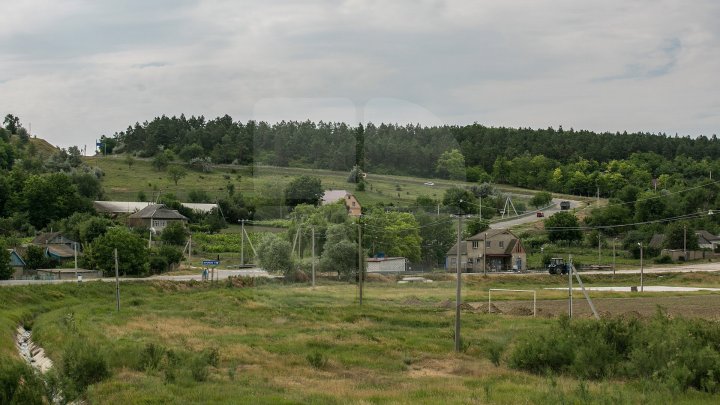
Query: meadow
x=262 y=341
x=123 y=182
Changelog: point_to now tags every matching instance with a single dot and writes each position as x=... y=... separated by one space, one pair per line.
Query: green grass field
x=297 y=344
x=122 y=182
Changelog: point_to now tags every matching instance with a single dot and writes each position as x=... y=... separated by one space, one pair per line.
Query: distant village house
x=496 y=249
x=155 y=217
x=351 y=203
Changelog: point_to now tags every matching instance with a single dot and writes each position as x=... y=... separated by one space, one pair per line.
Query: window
x=487 y=243
x=452 y=261
x=475 y=244
x=159 y=223
x=502 y=243
x=470 y=261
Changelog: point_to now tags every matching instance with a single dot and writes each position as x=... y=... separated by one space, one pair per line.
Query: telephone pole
x=458 y=287
x=685 y=243
x=117 y=281
x=313 y=256
x=242 y=242
x=485 y=255
x=360 y=259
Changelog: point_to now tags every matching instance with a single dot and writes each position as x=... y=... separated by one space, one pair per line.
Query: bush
x=158 y=264
x=274 y=254
x=678 y=353
x=19 y=384
x=84 y=364
x=151 y=356
x=664 y=259
x=317 y=360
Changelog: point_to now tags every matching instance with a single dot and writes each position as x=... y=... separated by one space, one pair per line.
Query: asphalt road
x=221 y=275
x=532 y=217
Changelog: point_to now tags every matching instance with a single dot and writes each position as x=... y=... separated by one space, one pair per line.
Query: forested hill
x=409 y=149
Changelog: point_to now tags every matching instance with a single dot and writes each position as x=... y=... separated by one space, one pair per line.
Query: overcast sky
x=77 y=69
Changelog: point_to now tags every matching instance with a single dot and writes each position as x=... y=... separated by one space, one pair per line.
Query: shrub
x=151 y=356
x=19 y=384
x=664 y=259
x=84 y=364
x=199 y=369
x=677 y=353
x=317 y=360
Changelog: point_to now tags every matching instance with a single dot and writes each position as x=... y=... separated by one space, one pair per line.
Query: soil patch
x=689 y=306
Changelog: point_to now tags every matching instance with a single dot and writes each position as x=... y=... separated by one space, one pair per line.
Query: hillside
x=43 y=147
x=124 y=182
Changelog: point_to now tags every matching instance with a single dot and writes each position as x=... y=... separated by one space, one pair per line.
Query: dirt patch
x=521 y=311
x=691 y=306
x=450 y=304
x=379 y=278
x=432 y=368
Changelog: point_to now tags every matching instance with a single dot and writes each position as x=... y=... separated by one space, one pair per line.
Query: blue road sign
x=211 y=262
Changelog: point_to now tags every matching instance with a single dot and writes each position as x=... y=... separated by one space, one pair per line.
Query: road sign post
x=213 y=275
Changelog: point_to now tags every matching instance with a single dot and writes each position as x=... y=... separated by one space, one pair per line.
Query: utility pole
x=641 y=267
x=685 y=243
x=599 y=244
x=457 y=290
x=614 y=242
x=360 y=259
x=150 y=240
x=485 y=255
x=242 y=242
x=570 y=297
x=313 y=256
x=480 y=208
x=117 y=281
x=300 y=241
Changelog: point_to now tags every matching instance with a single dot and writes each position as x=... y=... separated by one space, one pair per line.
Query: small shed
x=386 y=264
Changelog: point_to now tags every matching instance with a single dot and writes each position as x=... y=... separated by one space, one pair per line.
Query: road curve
x=531 y=217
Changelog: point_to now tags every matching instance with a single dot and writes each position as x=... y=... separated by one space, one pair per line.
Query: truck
x=557 y=265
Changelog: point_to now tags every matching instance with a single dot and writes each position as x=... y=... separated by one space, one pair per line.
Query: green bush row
x=679 y=353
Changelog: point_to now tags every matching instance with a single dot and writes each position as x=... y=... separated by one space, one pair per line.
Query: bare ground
x=693 y=306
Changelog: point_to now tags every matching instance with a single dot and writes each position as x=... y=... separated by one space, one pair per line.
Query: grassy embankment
x=292 y=343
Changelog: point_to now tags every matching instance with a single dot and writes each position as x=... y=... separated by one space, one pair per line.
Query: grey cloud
x=612 y=66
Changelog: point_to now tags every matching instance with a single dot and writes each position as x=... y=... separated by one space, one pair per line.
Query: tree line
x=392 y=148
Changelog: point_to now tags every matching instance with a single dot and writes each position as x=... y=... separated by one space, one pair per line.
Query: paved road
x=222 y=274
x=531 y=217
x=690 y=268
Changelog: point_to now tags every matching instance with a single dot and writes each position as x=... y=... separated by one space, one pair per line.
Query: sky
x=73 y=70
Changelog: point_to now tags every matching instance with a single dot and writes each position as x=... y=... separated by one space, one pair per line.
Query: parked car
x=540 y=214
x=565 y=205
